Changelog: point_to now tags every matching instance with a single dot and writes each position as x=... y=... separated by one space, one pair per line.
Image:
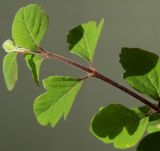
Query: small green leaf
x=83 y=39
x=50 y=106
x=154 y=118
x=10 y=70
x=118 y=125
x=8 y=46
x=34 y=63
x=141 y=71
x=150 y=143
x=153 y=126
x=29 y=26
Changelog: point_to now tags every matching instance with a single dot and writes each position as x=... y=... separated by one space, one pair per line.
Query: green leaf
x=154 y=126
x=83 y=39
x=141 y=71
x=29 y=26
x=51 y=105
x=150 y=143
x=154 y=118
x=118 y=125
x=8 y=46
x=10 y=70
x=34 y=63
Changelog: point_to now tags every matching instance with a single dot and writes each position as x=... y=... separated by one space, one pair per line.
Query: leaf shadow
x=111 y=121
x=74 y=36
x=33 y=69
x=137 y=62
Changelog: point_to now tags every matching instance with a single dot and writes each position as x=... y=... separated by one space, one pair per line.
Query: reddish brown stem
x=126 y=90
x=98 y=75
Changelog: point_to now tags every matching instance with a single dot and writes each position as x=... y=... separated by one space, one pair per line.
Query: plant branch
x=54 y=56
x=94 y=73
x=126 y=90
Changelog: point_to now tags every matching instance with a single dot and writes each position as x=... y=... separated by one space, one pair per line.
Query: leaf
x=83 y=39
x=118 y=125
x=141 y=71
x=29 y=26
x=150 y=143
x=34 y=63
x=56 y=102
x=154 y=126
x=154 y=119
x=8 y=46
x=10 y=70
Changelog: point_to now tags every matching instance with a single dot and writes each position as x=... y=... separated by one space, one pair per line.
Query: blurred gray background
x=128 y=23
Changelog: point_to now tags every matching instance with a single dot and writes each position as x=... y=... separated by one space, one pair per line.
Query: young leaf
x=29 y=26
x=141 y=71
x=150 y=143
x=118 y=125
x=83 y=39
x=8 y=46
x=51 y=105
x=34 y=63
x=10 y=70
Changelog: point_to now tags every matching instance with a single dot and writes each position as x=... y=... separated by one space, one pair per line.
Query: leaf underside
x=10 y=70
x=60 y=93
x=34 y=63
x=141 y=71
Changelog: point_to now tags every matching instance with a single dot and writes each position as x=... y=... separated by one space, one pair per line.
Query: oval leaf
x=34 y=63
x=50 y=106
x=29 y=26
x=118 y=125
x=141 y=71
x=83 y=39
x=10 y=70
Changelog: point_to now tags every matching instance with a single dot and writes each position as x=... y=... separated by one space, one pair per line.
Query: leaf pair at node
x=29 y=26
x=50 y=106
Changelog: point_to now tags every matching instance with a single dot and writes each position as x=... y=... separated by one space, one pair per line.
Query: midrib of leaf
x=157 y=79
x=149 y=80
x=58 y=100
x=153 y=86
x=145 y=86
x=86 y=43
x=28 y=28
x=10 y=65
x=152 y=83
